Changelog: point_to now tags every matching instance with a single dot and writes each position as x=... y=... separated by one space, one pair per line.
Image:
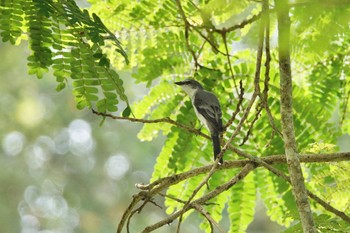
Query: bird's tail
x=216 y=146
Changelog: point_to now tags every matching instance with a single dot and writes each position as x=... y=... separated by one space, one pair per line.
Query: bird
x=207 y=108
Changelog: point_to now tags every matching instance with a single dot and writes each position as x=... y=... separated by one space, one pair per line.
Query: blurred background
x=59 y=170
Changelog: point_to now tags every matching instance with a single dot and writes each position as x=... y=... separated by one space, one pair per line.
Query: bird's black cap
x=182 y=82
x=190 y=82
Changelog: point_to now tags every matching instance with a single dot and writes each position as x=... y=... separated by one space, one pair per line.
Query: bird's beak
x=179 y=83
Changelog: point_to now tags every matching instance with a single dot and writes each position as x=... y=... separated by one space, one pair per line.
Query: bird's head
x=189 y=86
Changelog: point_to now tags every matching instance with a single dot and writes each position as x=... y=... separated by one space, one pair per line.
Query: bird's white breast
x=200 y=117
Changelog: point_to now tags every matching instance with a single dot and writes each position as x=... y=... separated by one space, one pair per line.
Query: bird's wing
x=208 y=106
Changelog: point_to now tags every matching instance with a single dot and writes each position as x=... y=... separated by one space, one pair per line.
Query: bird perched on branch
x=207 y=108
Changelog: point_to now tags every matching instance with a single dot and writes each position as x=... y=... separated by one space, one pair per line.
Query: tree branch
x=238 y=106
x=345 y=107
x=152 y=189
x=187 y=29
x=287 y=179
x=264 y=94
x=296 y=175
x=200 y=201
x=154 y=121
x=164 y=183
x=210 y=220
x=227 y=165
x=256 y=117
x=194 y=193
x=256 y=78
x=240 y=25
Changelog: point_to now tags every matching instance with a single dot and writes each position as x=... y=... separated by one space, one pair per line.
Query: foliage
x=71 y=42
x=216 y=43
x=324 y=223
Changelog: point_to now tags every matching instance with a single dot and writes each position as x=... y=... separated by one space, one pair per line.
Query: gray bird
x=207 y=108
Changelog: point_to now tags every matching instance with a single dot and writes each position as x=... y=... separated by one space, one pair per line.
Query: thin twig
x=264 y=95
x=172 y=198
x=259 y=57
x=188 y=25
x=238 y=106
x=209 y=41
x=328 y=207
x=238 y=127
x=256 y=117
x=187 y=29
x=345 y=108
x=200 y=209
x=211 y=221
x=240 y=25
x=256 y=78
x=229 y=61
x=194 y=193
x=128 y=211
x=253 y=98
x=154 y=121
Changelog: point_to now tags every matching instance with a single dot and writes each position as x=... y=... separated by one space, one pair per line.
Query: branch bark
x=227 y=165
x=152 y=189
x=202 y=200
x=296 y=175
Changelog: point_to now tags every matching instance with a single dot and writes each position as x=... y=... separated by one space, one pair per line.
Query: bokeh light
x=13 y=142
x=45 y=208
x=40 y=152
x=30 y=111
x=81 y=141
x=30 y=223
x=61 y=140
x=116 y=166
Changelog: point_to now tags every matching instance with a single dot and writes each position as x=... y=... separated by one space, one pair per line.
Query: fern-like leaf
x=71 y=41
x=276 y=206
x=11 y=20
x=242 y=203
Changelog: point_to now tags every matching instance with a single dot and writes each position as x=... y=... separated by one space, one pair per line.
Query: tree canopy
x=237 y=49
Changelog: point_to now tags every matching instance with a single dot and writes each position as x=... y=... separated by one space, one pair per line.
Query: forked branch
x=149 y=191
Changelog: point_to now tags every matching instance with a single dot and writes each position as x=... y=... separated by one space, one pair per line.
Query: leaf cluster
x=70 y=41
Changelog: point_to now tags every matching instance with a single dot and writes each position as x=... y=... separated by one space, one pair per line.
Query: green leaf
x=126 y=111
x=71 y=41
x=98 y=55
x=60 y=86
x=104 y=62
x=102 y=121
x=241 y=205
x=275 y=205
